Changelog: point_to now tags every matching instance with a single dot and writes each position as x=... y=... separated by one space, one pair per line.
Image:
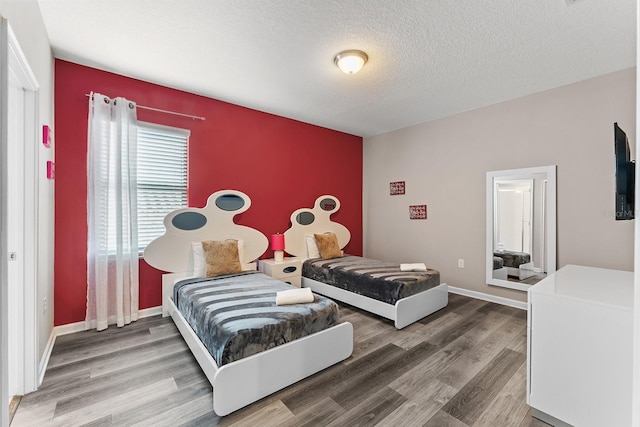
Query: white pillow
x=199 y=263
x=198 y=259
x=312 y=247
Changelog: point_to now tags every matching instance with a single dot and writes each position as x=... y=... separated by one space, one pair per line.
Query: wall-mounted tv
x=625 y=175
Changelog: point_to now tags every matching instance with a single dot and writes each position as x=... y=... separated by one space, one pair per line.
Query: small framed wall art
x=396 y=188
x=46 y=136
x=418 y=212
x=51 y=170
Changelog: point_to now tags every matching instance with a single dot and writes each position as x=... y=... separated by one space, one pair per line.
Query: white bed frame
x=501 y=273
x=405 y=311
x=240 y=383
x=523 y=271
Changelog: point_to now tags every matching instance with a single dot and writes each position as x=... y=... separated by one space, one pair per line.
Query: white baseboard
x=148 y=312
x=69 y=328
x=491 y=298
x=42 y=368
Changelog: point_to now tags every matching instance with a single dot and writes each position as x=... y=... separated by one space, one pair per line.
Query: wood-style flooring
x=462 y=366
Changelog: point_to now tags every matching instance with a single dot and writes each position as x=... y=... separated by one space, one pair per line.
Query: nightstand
x=288 y=270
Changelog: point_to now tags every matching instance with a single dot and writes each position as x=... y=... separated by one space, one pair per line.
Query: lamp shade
x=277 y=242
x=351 y=61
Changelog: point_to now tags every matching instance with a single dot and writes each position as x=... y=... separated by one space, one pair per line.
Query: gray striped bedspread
x=513 y=259
x=236 y=315
x=379 y=280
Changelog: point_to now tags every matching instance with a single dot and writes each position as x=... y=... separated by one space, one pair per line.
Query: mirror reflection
x=327 y=204
x=520 y=226
x=305 y=218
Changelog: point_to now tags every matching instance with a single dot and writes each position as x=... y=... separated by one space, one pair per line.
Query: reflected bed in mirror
x=521 y=226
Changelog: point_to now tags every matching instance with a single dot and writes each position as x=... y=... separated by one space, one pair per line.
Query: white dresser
x=579 y=364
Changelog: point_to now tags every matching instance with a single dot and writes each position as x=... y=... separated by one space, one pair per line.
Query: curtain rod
x=162 y=111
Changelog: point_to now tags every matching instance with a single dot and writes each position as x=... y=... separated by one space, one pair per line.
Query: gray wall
x=26 y=22
x=444 y=163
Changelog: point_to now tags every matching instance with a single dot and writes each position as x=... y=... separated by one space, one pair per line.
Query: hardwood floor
x=13 y=406
x=462 y=366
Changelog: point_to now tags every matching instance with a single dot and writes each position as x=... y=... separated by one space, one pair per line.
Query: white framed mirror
x=521 y=226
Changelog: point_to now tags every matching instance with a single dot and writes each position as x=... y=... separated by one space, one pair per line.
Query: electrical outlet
x=44 y=306
x=461 y=263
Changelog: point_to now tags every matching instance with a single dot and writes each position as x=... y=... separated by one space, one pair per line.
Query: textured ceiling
x=427 y=58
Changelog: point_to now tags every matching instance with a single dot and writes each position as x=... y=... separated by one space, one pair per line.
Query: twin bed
x=378 y=287
x=247 y=345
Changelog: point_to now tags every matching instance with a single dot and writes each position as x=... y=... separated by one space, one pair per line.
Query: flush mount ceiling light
x=351 y=61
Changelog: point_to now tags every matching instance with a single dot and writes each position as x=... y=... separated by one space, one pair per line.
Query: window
x=162 y=177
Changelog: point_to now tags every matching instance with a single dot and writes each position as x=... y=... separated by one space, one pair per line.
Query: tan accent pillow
x=328 y=245
x=221 y=257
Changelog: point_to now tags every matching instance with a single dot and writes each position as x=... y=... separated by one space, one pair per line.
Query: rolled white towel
x=294 y=296
x=416 y=266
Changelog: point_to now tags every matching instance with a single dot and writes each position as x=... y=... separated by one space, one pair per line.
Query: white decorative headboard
x=307 y=221
x=172 y=251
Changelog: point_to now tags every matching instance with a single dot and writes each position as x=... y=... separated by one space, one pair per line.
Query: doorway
x=514 y=213
x=18 y=227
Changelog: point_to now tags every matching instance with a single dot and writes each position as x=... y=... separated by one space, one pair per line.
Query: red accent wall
x=281 y=164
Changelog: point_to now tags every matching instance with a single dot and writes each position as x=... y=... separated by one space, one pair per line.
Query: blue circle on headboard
x=189 y=221
x=229 y=202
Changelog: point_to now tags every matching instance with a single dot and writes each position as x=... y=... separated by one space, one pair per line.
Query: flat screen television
x=625 y=175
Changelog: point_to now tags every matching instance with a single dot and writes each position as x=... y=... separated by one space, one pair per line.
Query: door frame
x=13 y=61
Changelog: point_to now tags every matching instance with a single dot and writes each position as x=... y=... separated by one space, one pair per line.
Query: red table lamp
x=277 y=244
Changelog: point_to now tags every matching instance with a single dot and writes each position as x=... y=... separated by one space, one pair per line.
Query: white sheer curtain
x=112 y=253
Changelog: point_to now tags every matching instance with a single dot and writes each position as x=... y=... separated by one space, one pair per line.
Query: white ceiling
x=427 y=58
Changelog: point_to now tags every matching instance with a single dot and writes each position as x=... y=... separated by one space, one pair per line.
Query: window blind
x=162 y=177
